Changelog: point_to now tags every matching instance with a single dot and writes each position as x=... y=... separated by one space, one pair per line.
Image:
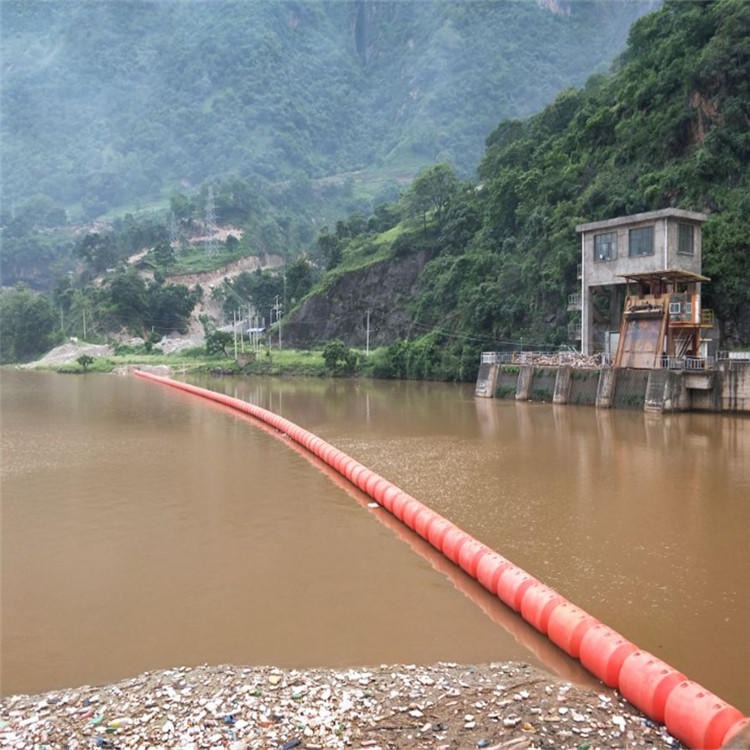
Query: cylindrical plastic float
x=603 y=652
x=697 y=717
x=692 y=714
x=646 y=682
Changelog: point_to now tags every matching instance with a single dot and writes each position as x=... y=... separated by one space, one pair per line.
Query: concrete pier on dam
x=723 y=387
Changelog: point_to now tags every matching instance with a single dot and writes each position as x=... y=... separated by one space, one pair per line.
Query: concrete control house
x=639 y=313
x=640 y=298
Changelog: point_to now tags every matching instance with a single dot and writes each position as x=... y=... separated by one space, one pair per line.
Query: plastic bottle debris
x=496 y=706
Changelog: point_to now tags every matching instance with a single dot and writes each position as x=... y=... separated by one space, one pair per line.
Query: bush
x=339 y=359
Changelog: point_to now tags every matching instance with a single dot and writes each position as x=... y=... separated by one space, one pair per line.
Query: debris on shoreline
x=508 y=706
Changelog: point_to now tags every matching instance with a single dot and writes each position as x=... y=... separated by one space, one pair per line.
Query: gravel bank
x=509 y=705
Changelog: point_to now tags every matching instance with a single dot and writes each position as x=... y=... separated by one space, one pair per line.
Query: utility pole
x=242 y=330
x=234 y=331
x=367 y=346
x=278 y=309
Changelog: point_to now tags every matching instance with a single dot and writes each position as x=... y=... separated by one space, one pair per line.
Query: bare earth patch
x=69 y=352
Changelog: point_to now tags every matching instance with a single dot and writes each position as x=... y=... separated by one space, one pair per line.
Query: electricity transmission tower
x=172 y=228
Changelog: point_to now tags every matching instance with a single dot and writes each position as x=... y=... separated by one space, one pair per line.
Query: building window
x=641 y=242
x=605 y=247
x=685 y=239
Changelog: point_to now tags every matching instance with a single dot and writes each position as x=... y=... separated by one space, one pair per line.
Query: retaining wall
x=692 y=714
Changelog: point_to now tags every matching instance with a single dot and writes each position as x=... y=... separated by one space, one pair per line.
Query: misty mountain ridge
x=107 y=104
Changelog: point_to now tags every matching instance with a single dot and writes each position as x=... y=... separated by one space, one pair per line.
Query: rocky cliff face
x=385 y=289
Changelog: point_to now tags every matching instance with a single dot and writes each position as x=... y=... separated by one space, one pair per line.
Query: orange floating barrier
x=537 y=605
x=512 y=585
x=437 y=531
x=453 y=540
x=736 y=729
x=410 y=512
x=387 y=496
x=398 y=504
x=490 y=568
x=692 y=714
x=699 y=718
x=470 y=555
x=646 y=682
x=567 y=625
x=422 y=520
x=603 y=652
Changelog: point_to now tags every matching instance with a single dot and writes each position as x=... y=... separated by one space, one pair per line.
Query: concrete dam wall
x=723 y=388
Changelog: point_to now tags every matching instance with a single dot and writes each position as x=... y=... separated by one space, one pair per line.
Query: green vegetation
x=668 y=127
x=338 y=358
x=488 y=265
x=107 y=105
x=85 y=361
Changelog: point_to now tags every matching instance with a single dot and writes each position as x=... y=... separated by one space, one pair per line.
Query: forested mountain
x=111 y=103
x=452 y=266
x=669 y=126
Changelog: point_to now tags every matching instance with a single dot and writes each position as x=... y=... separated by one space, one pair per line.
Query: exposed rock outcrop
x=340 y=311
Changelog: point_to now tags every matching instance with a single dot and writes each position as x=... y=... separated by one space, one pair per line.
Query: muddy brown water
x=145 y=528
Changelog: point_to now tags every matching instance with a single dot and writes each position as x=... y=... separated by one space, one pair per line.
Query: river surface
x=145 y=528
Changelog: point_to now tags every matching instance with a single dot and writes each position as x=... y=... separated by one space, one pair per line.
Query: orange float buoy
x=743 y=725
x=453 y=540
x=537 y=605
x=470 y=555
x=603 y=652
x=345 y=465
x=356 y=472
x=567 y=625
x=512 y=585
x=646 y=682
x=388 y=495
x=379 y=488
x=409 y=512
x=697 y=717
x=398 y=503
x=490 y=568
x=422 y=520
x=437 y=531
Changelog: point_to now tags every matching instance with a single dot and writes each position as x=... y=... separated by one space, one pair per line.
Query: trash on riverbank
x=442 y=707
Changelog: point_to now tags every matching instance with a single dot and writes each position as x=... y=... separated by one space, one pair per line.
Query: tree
x=168 y=307
x=330 y=248
x=85 y=360
x=98 y=250
x=299 y=278
x=27 y=324
x=163 y=254
x=259 y=288
x=182 y=207
x=218 y=341
x=338 y=358
x=432 y=190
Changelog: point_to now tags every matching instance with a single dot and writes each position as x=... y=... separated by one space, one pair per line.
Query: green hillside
x=110 y=105
x=452 y=266
x=670 y=126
